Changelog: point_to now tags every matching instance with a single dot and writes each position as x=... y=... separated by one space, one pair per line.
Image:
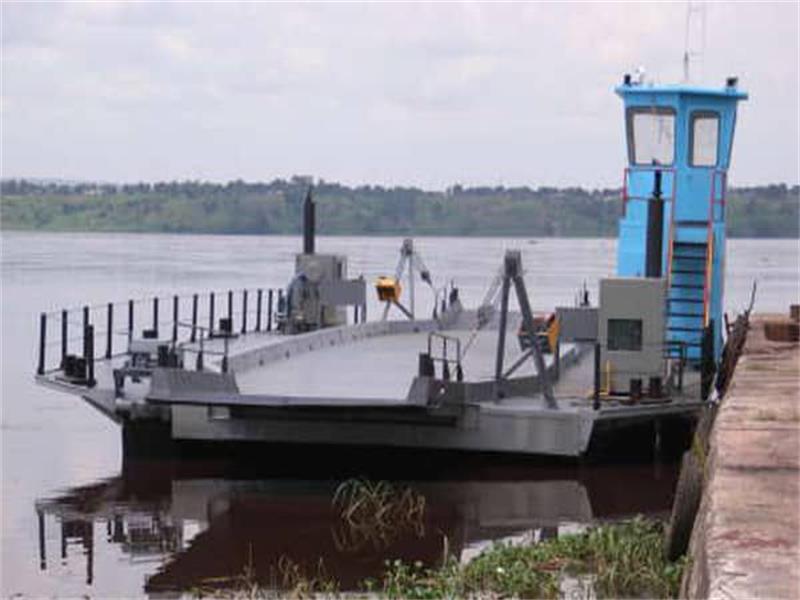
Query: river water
x=78 y=520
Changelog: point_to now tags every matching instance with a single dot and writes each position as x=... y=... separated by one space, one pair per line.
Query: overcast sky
x=411 y=94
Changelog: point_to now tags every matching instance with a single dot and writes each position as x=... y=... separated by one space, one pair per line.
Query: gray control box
x=631 y=331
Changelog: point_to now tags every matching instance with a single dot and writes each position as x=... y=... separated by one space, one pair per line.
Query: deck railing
x=104 y=331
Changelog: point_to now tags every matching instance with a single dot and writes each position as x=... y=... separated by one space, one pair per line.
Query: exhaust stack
x=309 y=224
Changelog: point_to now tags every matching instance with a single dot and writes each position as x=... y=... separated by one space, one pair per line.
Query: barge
x=293 y=367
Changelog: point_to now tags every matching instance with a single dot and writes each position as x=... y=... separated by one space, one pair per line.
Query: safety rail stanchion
x=85 y=317
x=193 y=337
x=230 y=309
x=596 y=402
x=244 y=311
x=155 y=316
x=199 y=366
x=130 y=321
x=259 y=295
x=109 y=328
x=175 y=310
x=269 y=310
x=211 y=311
x=64 y=337
x=88 y=354
x=42 y=342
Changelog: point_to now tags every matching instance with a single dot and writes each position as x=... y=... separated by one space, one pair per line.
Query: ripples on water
x=76 y=520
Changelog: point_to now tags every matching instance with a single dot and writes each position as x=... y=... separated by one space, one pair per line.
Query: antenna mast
x=694 y=49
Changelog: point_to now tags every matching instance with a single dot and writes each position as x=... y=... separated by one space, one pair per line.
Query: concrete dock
x=746 y=538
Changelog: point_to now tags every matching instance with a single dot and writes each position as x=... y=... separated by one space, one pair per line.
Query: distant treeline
x=274 y=208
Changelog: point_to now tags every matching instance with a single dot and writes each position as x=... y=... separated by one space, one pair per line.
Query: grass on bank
x=609 y=561
x=622 y=560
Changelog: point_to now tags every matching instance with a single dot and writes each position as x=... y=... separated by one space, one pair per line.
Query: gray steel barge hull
x=358 y=386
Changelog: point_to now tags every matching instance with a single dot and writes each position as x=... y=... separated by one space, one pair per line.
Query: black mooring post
x=211 y=313
x=42 y=342
x=175 y=316
x=258 y=308
x=109 y=329
x=130 y=321
x=244 y=311
x=194 y=317
x=269 y=309
x=64 y=337
x=230 y=310
x=89 y=355
x=155 y=316
x=596 y=403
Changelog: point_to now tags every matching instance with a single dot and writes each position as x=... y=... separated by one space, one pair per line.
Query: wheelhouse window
x=704 y=140
x=625 y=334
x=651 y=136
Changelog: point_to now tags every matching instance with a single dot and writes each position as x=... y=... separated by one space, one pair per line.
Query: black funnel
x=308 y=224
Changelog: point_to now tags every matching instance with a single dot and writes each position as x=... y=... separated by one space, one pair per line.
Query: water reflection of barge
x=207 y=522
x=485 y=380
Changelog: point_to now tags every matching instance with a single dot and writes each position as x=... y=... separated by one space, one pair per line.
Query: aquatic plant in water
x=376 y=513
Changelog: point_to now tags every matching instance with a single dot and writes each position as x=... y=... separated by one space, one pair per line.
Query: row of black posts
x=88 y=328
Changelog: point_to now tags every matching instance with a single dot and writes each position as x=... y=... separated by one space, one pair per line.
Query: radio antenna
x=694 y=49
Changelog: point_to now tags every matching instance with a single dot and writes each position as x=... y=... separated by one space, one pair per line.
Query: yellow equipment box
x=388 y=289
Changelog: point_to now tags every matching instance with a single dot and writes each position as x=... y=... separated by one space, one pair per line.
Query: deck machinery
x=485 y=379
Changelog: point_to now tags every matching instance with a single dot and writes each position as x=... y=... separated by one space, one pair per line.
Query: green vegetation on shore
x=273 y=208
x=621 y=560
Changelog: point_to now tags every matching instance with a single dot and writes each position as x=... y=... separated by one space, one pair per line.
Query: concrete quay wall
x=746 y=537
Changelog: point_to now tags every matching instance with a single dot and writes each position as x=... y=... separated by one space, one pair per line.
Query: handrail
x=59 y=328
x=626 y=197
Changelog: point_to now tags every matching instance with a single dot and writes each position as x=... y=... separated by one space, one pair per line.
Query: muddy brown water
x=79 y=519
